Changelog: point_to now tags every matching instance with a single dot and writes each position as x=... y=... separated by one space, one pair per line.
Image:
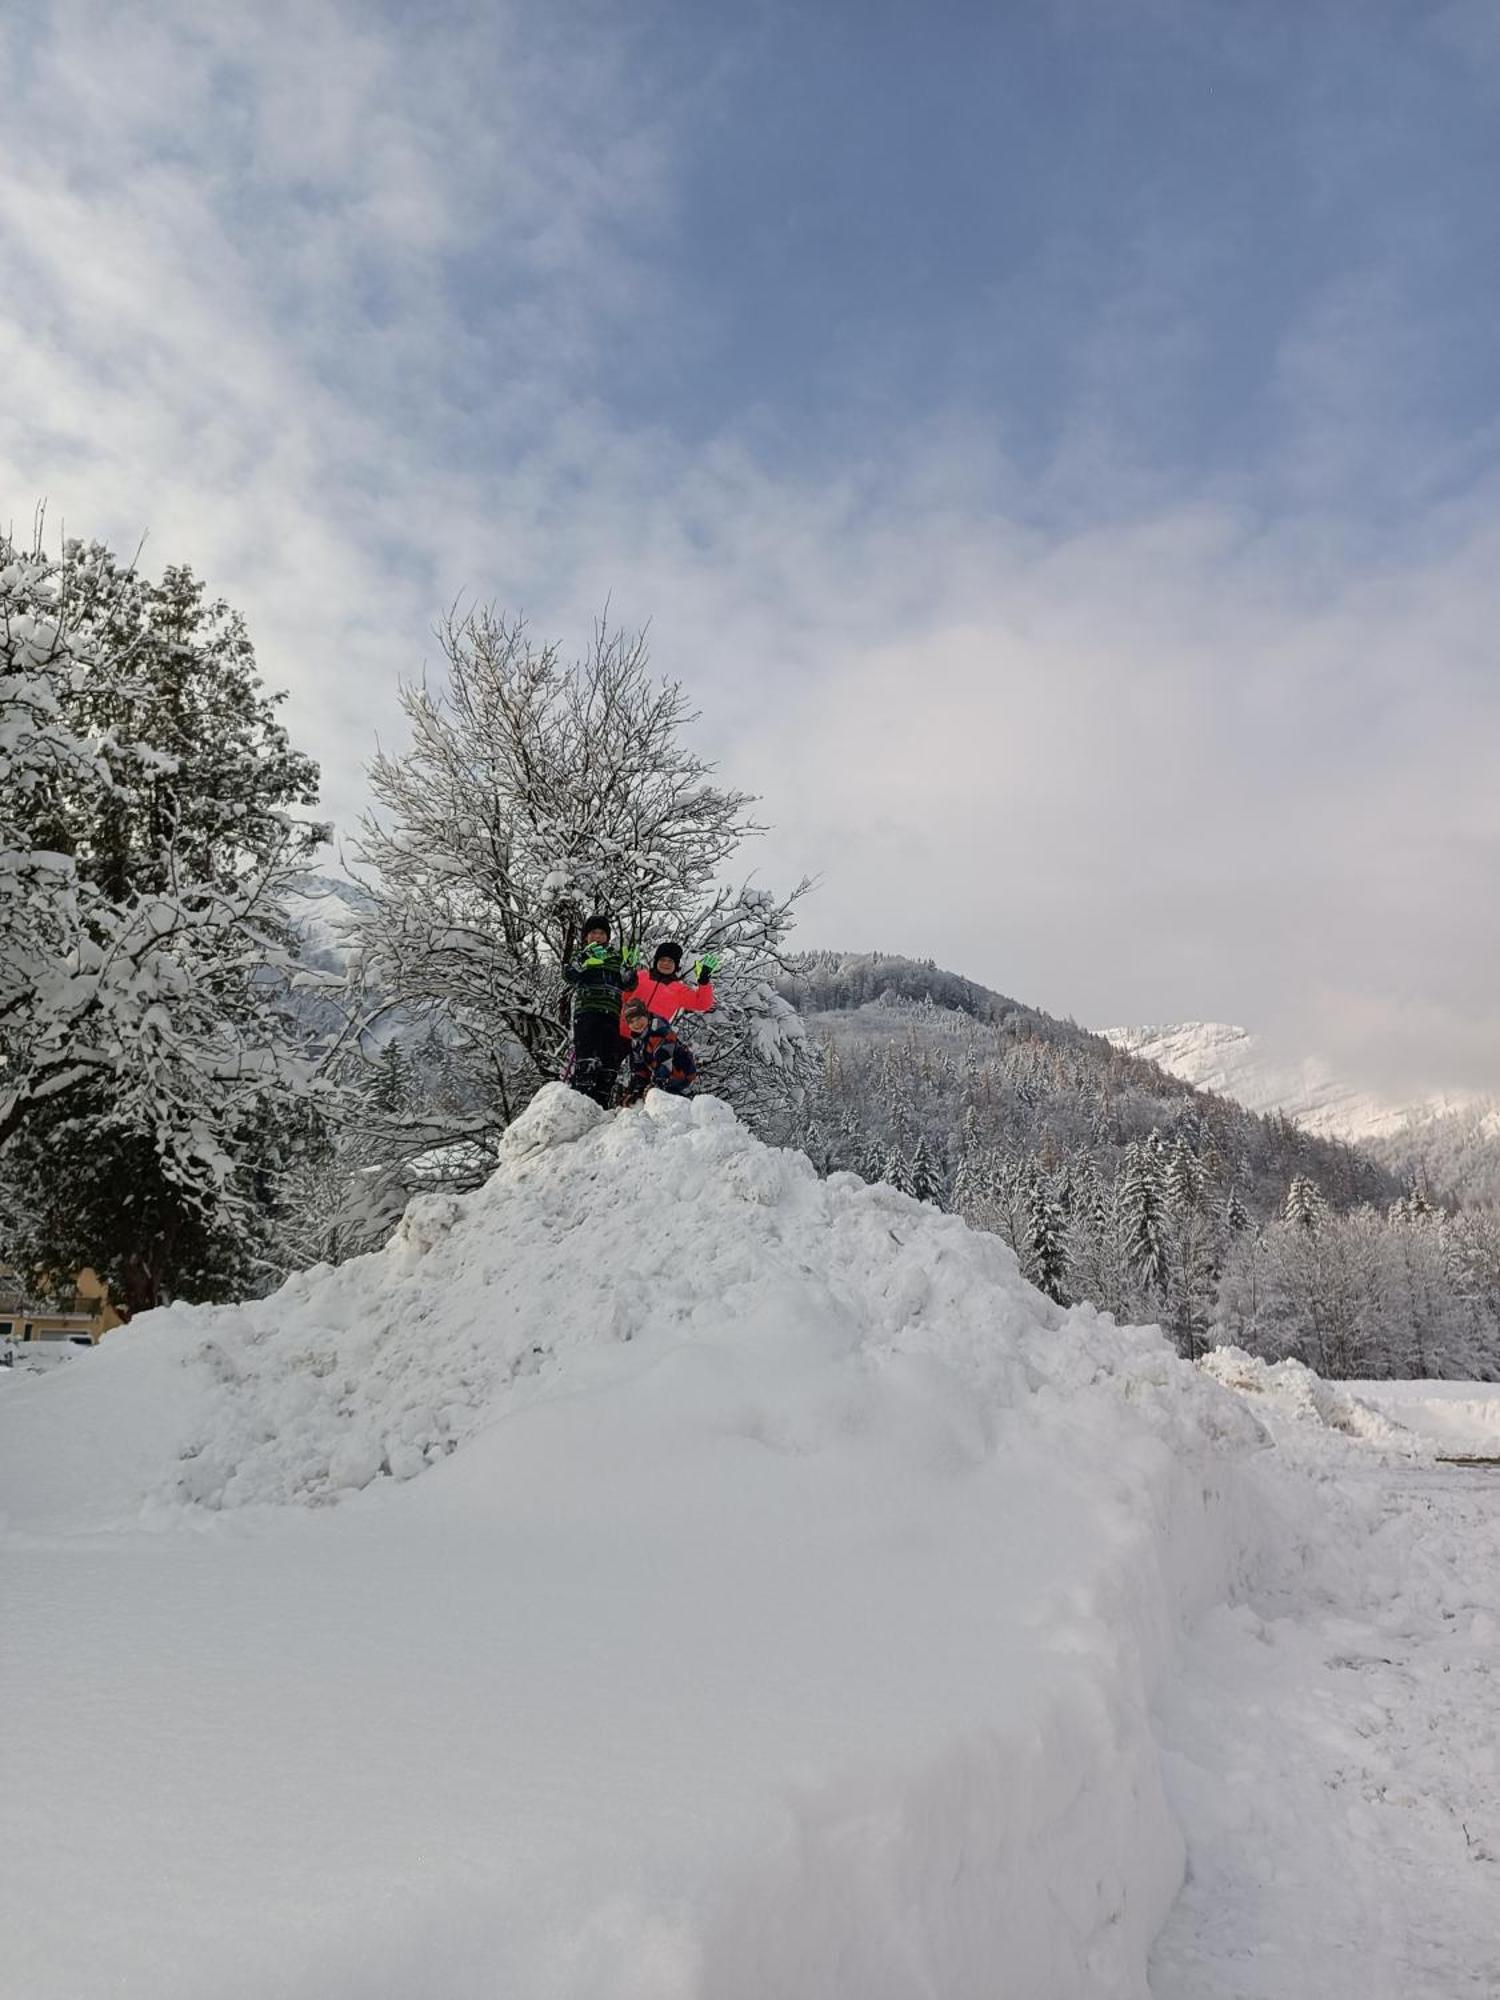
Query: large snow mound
x=745 y=1584
x=663 y=1223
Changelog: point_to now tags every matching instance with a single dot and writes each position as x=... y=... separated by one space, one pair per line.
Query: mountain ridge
x=1452 y=1137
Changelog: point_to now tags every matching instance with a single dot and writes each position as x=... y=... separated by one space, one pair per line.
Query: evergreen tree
x=146 y=844
x=1141 y=1204
x=1192 y=1265
x=926 y=1182
x=1046 y=1255
x=1236 y=1215
x=1305 y=1206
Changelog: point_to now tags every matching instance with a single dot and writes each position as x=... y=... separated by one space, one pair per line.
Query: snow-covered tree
x=1436 y=1300
x=926 y=1181
x=1141 y=1200
x=536 y=791
x=1305 y=1206
x=144 y=844
x=1192 y=1261
x=1045 y=1258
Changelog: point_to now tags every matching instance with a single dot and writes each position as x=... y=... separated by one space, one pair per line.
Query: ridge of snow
x=1453 y=1416
x=1298 y=1392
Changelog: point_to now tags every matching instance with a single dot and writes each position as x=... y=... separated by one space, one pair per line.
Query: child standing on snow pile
x=662 y=993
x=600 y=978
x=658 y=1061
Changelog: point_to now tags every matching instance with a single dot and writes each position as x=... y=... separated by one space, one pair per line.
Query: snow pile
x=670 y=1222
x=1296 y=1391
x=781 y=1608
x=1455 y=1417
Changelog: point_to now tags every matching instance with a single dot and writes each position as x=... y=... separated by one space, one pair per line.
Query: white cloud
x=1180 y=765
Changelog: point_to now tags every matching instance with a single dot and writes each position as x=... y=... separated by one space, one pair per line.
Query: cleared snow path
x=1334 y=1745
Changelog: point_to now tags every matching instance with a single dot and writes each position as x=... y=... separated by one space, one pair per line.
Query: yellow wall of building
x=35 y=1316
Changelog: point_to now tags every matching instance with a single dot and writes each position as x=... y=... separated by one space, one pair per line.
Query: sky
x=1055 y=444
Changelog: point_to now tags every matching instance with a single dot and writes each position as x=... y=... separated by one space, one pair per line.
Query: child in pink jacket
x=664 y=993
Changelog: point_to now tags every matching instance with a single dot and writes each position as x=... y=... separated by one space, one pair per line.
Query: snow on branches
x=141 y=936
x=536 y=791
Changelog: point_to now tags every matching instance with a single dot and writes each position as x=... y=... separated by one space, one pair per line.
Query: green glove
x=704 y=968
x=630 y=957
x=596 y=954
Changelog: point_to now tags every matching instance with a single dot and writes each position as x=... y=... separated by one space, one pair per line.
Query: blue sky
x=1056 y=444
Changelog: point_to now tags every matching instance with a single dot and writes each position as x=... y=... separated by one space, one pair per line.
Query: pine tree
x=1184 y=1180
x=146 y=844
x=1141 y=1204
x=1305 y=1206
x=815 y=1144
x=1046 y=1259
x=926 y=1182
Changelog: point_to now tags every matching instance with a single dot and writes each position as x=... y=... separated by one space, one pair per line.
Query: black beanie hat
x=668 y=950
x=597 y=923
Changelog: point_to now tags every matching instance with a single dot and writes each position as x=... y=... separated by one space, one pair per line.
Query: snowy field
x=666 y=1574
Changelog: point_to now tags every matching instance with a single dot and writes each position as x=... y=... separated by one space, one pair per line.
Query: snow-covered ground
x=666 y=1574
x=1334 y=1734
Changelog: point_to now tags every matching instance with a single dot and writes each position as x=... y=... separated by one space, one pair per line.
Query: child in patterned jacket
x=658 y=1060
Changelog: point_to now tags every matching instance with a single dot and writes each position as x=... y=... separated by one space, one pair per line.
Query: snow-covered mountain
x=918 y=1046
x=1451 y=1139
x=322 y=908
x=1234 y=1062
x=664 y=1572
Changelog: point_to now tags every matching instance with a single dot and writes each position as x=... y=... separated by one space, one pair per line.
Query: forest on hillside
x=1119 y=1185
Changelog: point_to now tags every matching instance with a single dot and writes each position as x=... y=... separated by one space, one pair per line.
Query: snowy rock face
x=744 y=1584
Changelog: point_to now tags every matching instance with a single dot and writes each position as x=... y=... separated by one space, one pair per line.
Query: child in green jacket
x=600 y=978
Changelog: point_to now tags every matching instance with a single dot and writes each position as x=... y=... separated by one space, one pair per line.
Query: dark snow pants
x=598 y=1051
